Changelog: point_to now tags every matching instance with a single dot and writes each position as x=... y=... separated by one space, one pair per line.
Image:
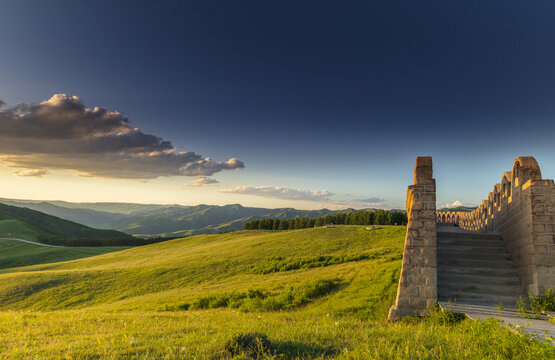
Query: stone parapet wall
x=522 y=209
x=417 y=289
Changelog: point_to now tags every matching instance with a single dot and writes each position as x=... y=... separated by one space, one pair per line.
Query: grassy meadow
x=15 y=253
x=312 y=294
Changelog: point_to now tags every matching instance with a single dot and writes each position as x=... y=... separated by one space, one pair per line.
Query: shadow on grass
x=293 y=349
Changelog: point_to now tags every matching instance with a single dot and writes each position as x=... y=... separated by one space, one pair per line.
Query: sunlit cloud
x=277 y=192
x=62 y=133
x=31 y=172
x=200 y=182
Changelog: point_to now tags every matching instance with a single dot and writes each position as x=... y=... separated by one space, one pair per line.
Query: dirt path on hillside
x=29 y=242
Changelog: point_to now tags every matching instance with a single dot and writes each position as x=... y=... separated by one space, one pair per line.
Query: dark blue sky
x=339 y=96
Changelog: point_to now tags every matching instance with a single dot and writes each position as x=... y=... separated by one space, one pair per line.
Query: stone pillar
x=543 y=233
x=417 y=289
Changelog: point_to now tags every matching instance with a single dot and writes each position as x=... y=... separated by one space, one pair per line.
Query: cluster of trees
x=362 y=217
x=77 y=241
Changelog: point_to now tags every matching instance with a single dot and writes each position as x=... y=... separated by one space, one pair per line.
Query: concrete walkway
x=544 y=329
x=29 y=242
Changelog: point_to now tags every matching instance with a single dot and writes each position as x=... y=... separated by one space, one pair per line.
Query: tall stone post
x=417 y=289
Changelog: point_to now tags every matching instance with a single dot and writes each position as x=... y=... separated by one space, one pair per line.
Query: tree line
x=362 y=217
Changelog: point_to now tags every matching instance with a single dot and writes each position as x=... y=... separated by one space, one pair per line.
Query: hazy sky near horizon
x=306 y=104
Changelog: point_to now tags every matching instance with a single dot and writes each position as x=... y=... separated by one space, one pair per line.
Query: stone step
x=476 y=298
x=477 y=270
x=448 y=255
x=470 y=242
x=510 y=280
x=486 y=288
x=484 y=263
x=469 y=236
x=466 y=249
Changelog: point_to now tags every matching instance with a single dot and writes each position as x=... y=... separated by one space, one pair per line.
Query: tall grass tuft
x=248 y=346
x=259 y=300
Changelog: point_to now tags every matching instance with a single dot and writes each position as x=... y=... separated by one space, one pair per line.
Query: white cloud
x=61 y=133
x=201 y=181
x=455 y=203
x=277 y=192
x=31 y=172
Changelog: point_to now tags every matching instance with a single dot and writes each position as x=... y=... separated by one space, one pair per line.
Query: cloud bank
x=277 y=192
x=61 y=133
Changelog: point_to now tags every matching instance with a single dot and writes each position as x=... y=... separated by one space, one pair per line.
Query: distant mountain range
x=161 y=220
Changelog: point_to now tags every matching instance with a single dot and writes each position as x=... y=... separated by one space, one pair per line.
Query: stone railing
x=448 y=218
x=417 y=289
x=522 y=209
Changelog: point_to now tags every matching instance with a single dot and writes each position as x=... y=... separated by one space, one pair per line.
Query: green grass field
x=314 y=293
x=19 y=229
x=14 y=253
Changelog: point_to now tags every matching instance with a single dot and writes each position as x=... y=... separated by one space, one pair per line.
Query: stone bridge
x=497 y=253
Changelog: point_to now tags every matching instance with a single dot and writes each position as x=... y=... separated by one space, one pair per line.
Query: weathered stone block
x=544 y=218
x=543 y=239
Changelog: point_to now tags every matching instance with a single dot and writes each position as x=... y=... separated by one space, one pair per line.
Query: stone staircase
x=475 y=268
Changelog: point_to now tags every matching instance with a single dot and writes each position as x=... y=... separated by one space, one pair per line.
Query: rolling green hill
x=154 y=276
x=31 y=223
x=15 y=253
x=20 y=229
x=316 y=293
x=20 y=223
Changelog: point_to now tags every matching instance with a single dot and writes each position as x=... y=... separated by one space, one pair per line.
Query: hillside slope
x=15 y=253
x=30 y=224
x=314 y=293
x=176 y=271
x=20 y=229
